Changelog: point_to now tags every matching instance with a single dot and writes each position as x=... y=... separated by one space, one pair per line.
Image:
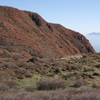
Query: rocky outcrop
x=27 y=31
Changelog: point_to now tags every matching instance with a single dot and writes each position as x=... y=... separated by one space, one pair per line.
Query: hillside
x=45 y=61
x=27 y=34
x=71 y=78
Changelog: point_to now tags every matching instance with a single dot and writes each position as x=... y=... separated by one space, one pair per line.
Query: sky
x=79 y=15
x=94 y=40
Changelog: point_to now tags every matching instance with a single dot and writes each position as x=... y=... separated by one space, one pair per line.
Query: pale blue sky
x=80 y=15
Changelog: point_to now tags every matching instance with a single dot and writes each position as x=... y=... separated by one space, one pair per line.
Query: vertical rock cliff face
x=27 y=31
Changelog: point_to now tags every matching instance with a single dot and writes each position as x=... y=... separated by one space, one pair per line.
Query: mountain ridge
x=94 y=33
x=29 y=32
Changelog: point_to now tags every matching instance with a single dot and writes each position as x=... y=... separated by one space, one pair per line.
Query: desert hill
x=45 y=61
x=28 y=33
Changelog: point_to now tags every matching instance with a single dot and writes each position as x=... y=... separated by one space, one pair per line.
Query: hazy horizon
x=94 y=40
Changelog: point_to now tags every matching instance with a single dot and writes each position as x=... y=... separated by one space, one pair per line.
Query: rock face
x=27 y=31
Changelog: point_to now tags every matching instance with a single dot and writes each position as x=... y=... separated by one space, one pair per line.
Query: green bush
x=57 y=71
x=33 y=59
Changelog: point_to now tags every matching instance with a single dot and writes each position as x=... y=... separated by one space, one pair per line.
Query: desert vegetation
x=69 y=78
x=29 y=32
x=32 y=62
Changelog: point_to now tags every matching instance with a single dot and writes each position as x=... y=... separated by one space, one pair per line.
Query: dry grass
x=81 y=73
x=54 y=95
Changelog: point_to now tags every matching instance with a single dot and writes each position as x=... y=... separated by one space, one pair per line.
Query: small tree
x=33 y=59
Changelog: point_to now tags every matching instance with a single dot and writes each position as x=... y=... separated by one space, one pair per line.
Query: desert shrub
x=78 y=83
x=97 y=66
x=9 y=65
x=76 y=67
x=57 y=71
x=85 y=89
x=64 y=69
x=96 y=85
x=97 y=56
x=71 y=76
x=51 y=83
x=30 y=88
x=88 y=75
x=12 y=84
x=85 y=56
x=21 y=71
x=33 y=59
x=20 y=76
x=4 y=87
x=88 y=69
x=26 y=65
x=24 y=72
x=6 y=55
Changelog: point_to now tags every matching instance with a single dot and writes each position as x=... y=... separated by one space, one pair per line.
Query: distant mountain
x=24 y=31
x=94 y=39
x=94 y=33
